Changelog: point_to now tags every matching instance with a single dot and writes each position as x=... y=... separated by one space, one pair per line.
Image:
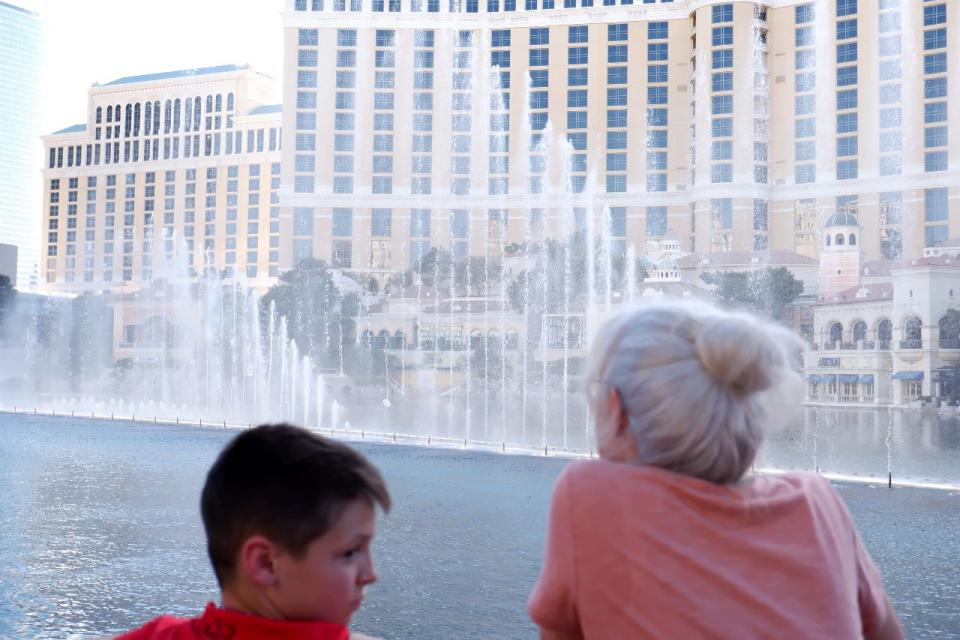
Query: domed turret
x=840 y=254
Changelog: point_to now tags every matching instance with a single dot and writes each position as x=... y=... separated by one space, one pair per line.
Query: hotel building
x=181 y=162
x=21 y=48
x=738 y=126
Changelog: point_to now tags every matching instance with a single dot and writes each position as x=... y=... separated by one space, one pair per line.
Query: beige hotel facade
x=739 y=126
x=473 y=124
x=175 y=171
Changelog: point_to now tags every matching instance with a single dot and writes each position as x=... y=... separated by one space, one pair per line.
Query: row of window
x=458 y=6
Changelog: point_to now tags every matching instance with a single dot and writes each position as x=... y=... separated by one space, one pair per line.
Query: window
x=803 y=13
x=722 y=13
x=846 y=100
x=847 y=146
x=935 y=39
x=538 y=36
x=616 y=97
x=617 y=32
x=935 y=112
x=846 y=122
x=656 y=221
x=846 y=7
x=657 y=73
x=722 y=36
x=577 y=34
x=846 y=29
x=539 y=57
x=723 y=58
x=615 y=75
x=935 y=88
x=846 y=52
x=846 y=76
x=577 y=98
x=722 y=127
x=658 y=95
x=618 y=53
x=577 y=55
x=847 y=170
x=935 y=63
x=723 y=81
x=657 y=30
x=936 y=14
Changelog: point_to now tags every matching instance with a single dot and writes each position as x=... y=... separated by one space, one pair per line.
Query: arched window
x=136 y=119
x=950 y=330
x=196 y=113
x=853 y=240
x=99 y=115
x=129 y=120
x=219 y=103
x=187 y=114
x=859 y=331
x=828 y=240
x=884 y=333
x=109 y=113
x=836 y=333
x=912 y=333
x=167 y=116
x=230 y=102
x=156 y=117
x=839 y=240
x=209 y=104
x=147 y=117
x=176 y=116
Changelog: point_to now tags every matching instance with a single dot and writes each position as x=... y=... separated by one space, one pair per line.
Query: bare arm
x=891 y=629
x=548 y=634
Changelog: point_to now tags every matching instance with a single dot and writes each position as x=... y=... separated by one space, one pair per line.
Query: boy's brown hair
x=285 y=483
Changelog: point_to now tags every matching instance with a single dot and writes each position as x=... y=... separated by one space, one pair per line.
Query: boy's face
x=327 y=583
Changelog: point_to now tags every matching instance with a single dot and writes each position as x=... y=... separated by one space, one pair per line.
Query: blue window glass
x=936 y=14
x=615 y=75
x=803 y=37
x=722 y=127
x=577 y=55
x=935 y=38
x=805 y=82
x=497 y=58
x=846 y=122
x=721 y=150
x=723 y=58
x=846 y=52
x=539 y=57
x=380 y=222
x=847 y=146
x=803 y=13
x=936 y=204
x=616 y=184
x=721 y=104
x=805 y=128
x=576 y=120
x=935 y=88
x=305 y=79
x=846 y=7
x=935 y=234
x=656 y=221
x=500 y=38
x=616 y=118
x=657 y=95
x=539 y=36
x=720 y=173
x=657 y=30
x=657 y=51
x=616 y=32
x=656 y=117
x=804 y=105
x=618 y=221
x=722 y=36
x=539 y=99
x=342 y=222
x=657 y=139
x=722 y=81
x=847 y=99
x=656 y=73
x=722 y=13
x=539 y=78
x=804 y=59
x=656 y=182
x=846 y=29
x=538 y=121
x=616 y=140
x=577 y=98
x=804 y=173
x=935 y=137
x=617 y=53
x=935 y=112
x=846 y=76
x=935 y=63
x=656 y=160
x=805 y=151
x=616 y=97
x=577 y=34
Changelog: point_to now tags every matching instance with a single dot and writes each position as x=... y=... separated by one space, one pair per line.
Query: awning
x=866 y=379
x=849 y=378
x=908 y=375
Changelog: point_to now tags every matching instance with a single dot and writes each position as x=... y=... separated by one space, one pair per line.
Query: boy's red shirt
x=223 y=624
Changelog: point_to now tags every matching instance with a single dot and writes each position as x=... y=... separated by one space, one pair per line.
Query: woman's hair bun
x=738 y=353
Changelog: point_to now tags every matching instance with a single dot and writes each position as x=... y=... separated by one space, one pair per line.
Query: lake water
x=100 y=527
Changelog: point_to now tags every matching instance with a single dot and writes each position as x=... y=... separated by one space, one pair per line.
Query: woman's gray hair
x=696 y=383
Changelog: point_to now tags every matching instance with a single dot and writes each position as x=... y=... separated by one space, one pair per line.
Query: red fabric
x=222 y=624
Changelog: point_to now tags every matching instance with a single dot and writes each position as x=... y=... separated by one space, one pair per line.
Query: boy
x=289 y=517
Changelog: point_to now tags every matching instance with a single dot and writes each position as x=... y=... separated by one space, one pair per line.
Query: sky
x=101 y=40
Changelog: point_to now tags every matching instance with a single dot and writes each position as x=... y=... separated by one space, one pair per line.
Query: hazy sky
x=101 y=40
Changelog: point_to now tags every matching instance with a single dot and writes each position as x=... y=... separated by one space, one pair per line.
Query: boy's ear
x=258 y=560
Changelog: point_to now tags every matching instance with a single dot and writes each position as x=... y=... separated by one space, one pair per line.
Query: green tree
x=767 y=292
x=318 y=315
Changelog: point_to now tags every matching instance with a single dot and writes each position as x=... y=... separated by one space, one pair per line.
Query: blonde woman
x=668 y=535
